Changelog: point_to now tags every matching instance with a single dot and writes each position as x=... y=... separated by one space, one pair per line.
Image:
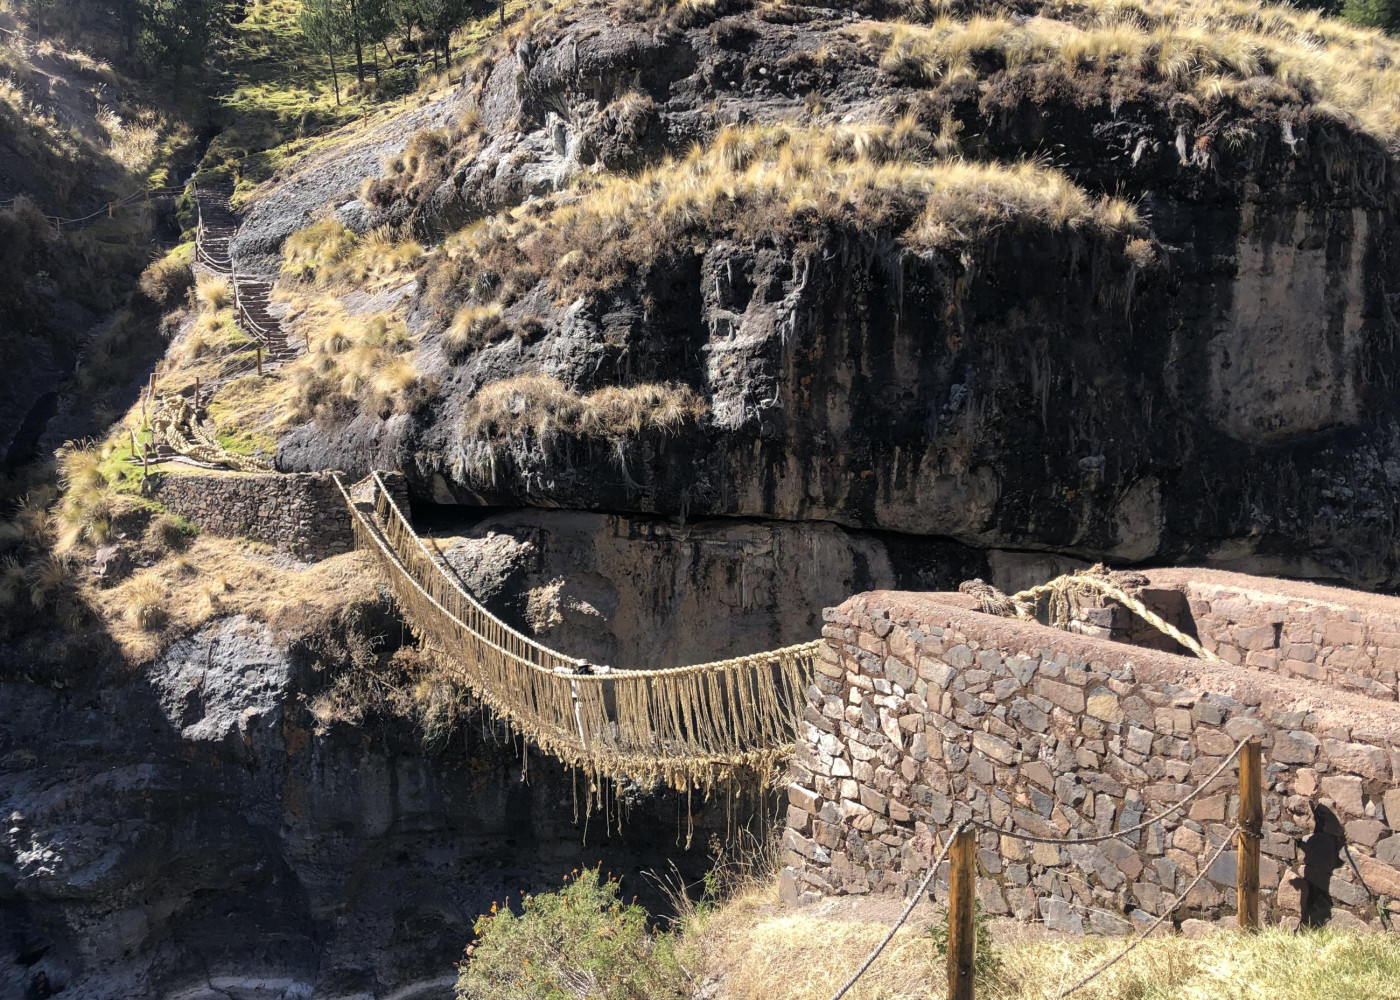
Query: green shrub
x=578 y=943
x=987 y=960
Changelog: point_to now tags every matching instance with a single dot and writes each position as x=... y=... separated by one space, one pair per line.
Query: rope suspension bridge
x=686 y=726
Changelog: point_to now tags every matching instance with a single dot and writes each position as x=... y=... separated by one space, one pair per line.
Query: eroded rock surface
x=645 y=593
x=1220 y=396
x=193 y=832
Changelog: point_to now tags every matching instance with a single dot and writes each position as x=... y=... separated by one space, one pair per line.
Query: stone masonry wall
x=925 y=712
x=299 y=513
x=1346 y=639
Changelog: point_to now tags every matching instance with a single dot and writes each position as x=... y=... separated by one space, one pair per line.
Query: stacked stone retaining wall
x=925 y=712
x=302 y=514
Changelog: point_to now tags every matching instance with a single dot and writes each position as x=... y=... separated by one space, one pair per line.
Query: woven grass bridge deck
x=687 y=726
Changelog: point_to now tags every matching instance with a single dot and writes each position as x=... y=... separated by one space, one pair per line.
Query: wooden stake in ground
x=962 y=916
x=260 y=361
x=132 y=431
x=196 y=393
x=1251 y=823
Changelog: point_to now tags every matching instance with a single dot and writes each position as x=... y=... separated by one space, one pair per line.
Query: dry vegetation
x=543 y=408
x=355 y=363
x=759 y=949
x=783 y=181
x=181 y=589
x=1212 y=49
x=327 y=254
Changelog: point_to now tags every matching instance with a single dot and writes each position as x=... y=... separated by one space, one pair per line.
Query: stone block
x=1358 y=758
x=995 y=748
x=1103 y=704
x=1256 y=637
x=1066 y=696
x=1060 y=916
x=1365 y=831
x=1338 y=633
x=804 y=798
x=960 y=657
x=1293 y=747
x=873 y=800
x=1029 y=715
x=1390 y=804
x=1210 y=808
x=936 y=672
x=1345 y=791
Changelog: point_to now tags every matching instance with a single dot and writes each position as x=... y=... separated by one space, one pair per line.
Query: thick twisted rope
x=1023 y=604
x=176 y=426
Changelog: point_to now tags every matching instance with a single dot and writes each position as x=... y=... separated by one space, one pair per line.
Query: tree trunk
x=335 y=76
x=359 y=52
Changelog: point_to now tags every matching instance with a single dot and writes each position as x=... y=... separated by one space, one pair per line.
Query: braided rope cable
x=1101 y=838
x=655 y=731
x=606 y=673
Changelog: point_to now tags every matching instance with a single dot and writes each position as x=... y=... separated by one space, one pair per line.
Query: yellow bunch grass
x=1204 y=48
x=542 y=406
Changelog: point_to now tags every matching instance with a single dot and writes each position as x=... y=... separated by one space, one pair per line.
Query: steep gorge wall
x=926 y=713
x=203 y=827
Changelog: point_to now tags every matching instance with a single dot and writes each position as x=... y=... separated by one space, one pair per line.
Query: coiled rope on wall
x=690 y=726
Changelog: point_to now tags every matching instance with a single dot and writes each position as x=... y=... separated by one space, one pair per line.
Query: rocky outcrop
x=195 y=831
x=1220 y=395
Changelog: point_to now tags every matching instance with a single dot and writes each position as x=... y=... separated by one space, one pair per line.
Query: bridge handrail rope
x=145 y=194
x=1166 y=912
x=687 y=725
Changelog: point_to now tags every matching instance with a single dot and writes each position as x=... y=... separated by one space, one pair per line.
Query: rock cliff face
x=1220 y=394
x=191 y=831
x=643 y=593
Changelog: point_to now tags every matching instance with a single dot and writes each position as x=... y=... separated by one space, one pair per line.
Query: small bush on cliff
x=167 y=281
x=214 y=294
x=579 y=943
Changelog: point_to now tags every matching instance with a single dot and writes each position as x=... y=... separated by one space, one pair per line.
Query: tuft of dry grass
x=542 y=407
x=364 y=362
x=145 y=603
x=759 y=949
x=473 y=327
x=327 y=254
x=213 y=294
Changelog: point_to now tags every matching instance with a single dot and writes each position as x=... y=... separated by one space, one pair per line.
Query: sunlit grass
x=760 y=949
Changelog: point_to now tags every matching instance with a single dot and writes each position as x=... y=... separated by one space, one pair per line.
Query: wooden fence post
x=260 y=361
x=133 y=442
x=1251 y=822
x=962 y=916
x=196 y=393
